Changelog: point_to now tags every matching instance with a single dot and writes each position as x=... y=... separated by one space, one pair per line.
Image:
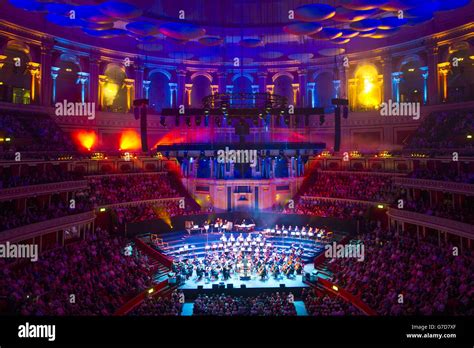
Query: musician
x=232 y=239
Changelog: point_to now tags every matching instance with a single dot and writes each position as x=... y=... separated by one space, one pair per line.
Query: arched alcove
x=159 y=95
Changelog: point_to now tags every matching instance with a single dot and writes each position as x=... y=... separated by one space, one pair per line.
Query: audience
x=95 y=272
x=274 y=304
x=325 y=305
x=159 y=306
x=428 y=279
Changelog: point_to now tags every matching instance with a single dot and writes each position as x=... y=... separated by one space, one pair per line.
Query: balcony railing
x=43 y=227
x=37 y=190
x=455 y=227
x=436 y=185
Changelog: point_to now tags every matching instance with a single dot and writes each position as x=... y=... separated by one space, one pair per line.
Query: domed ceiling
x=241 y=27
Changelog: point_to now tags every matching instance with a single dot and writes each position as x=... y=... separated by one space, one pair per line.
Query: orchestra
x=251 y=256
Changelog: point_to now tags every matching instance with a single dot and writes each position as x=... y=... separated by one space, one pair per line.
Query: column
x=221 y=80
x=229 y=89
x=139 y=82
x=94 y=83
x=102 y=81
x=129 y=85
x=425 y=75
x=443 y=69
x=54 y=75
x=337 y=86
x=173 y=94
x=262 y=81
x=46 y=61
x=255 y=90
x=180 y=92
x=82 y=78
x=188 y=88
x=146 y=86
x=296 y=89
x=433 y=94
x=387 y=74
x=302 y=76
x=34 y=69
x=396 y=77
x=311 y=87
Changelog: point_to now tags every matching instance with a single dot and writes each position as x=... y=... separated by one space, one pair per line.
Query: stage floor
x=255 y=282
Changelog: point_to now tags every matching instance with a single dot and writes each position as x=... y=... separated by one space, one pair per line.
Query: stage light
x=380 y=206
x=102 y=210
x=7 y=139
x=163 y=121
x=335 y=288
x=150 y=291
x=469 y=136
x=411 y=70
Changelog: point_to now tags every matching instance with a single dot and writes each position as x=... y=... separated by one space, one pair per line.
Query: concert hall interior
x=236 y=158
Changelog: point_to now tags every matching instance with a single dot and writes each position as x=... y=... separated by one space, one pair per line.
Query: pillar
x=146 y=87
x=34 y=69
x=180 y=91
x=46 y=62
x=337 y=86
x=83 y=79
x=425 y=75
x=433 y=95
x=54 y=75
x=139 y=70
x=94 y=83
x=443 y=83
x=129 y=85
x=302 y=77
x=311 y=87
x=102 y=81
x=388 y=78
x=221 y=82
x=396 y=77
x=262 y=81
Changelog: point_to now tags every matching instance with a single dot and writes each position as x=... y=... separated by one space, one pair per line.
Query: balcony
x=43 y=227
x=451 y=226
x=38 y=190
x=436 y=185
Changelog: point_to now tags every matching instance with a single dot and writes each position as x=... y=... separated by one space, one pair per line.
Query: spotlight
x=322 y=119
x=188 y=121
x=198 y=120
x=163 y=121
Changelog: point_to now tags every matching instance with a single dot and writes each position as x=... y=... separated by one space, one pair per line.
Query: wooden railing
x=36 y=190
x=148 y=201
x=455 y=227
x=436 y=185
x=39 y=228
x=332 y=199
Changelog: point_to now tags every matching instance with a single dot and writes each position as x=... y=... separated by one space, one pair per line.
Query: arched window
x=461 y=75
x=283 y=87
x=411 y=83
x=365 y=88
x=15 y=78
x=114 y=91
x=201 y=88
x=324 y=89
x=67 y=86
x=159 y=91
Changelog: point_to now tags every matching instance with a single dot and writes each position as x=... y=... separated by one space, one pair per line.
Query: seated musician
x=223 y=238
x=232 y=239
x=296 y=229
x=249 y=238
x=240 y=238
x=216 y=225
x=290 y=228
x=277 y=228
